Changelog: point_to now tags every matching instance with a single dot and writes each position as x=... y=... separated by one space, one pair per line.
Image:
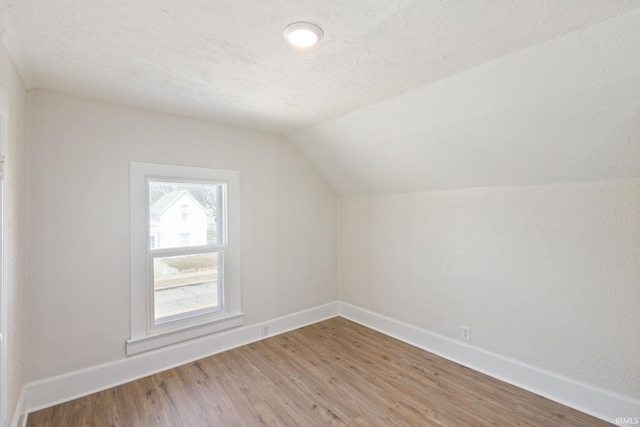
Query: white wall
x=548 y=275
x=14 y=223
x=504 y=198
x=78 y=243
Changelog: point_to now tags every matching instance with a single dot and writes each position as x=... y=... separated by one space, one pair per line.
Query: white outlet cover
x=466 y=333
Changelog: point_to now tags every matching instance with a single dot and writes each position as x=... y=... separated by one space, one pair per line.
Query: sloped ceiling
x=400 y=96
x=566 y=110
x=226 y=61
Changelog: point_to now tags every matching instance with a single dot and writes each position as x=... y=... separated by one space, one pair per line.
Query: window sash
x=221 y=202
x=187 y=250
x=203 y=315
x=196 y=315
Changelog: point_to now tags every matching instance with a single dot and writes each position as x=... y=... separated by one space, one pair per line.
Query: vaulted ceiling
x=399 y=96
x=564 y=111
x=226 y=60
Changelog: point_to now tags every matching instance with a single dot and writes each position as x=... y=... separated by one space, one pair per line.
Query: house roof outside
x=166 y=201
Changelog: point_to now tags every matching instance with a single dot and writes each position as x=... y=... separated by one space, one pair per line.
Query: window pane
x=185 y=214
x=187 y=285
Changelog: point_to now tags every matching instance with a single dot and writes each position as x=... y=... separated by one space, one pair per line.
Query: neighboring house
x=177 y=220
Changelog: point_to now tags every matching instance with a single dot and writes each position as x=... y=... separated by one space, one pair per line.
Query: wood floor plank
x=333 y=373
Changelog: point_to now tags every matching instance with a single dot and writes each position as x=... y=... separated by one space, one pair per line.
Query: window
x=184 y=239
x=185 y=254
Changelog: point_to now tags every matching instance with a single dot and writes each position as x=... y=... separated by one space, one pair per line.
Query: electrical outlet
x=466 y=333
x=265 y=330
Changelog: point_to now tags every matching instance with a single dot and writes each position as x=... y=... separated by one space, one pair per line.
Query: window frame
x=145 y=335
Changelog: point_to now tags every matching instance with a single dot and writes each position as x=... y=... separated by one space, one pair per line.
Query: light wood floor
x=332 y=373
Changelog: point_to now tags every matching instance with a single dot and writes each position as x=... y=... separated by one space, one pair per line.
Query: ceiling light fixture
x=302 y=34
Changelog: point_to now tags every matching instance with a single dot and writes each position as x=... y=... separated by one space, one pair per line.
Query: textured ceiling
x=567 y=110
x=226 y=60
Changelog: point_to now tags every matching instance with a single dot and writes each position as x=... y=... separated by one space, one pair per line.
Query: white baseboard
x=20 y=413
x=583 y=397
x=63 y=388
x=592 y=400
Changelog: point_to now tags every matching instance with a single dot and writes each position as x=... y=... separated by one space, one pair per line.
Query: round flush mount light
x=302 y=34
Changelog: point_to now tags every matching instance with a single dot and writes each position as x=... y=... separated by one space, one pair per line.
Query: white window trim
x=142 y=337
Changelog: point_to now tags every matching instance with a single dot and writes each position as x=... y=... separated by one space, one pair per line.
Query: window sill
x=163 y=339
